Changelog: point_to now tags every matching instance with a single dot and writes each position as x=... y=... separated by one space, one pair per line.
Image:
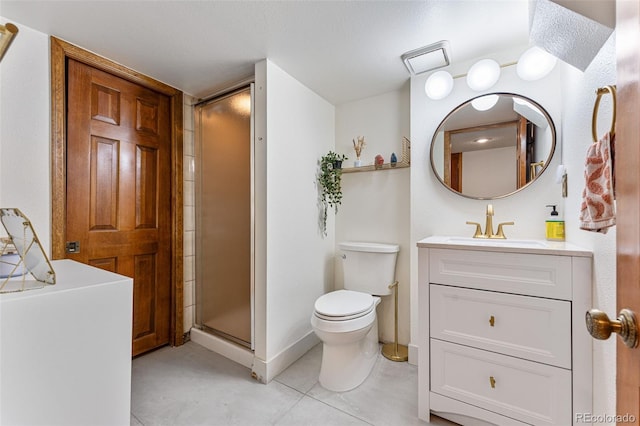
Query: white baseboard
x=220 y=346
x=265 y=371
x=413 y=354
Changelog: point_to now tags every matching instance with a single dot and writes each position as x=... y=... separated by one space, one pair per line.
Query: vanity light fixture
x=535 y=63
x=7 y=33
x=484 y=103
x=482 y=140
x=427 y=58
x=439 y=85
x=483 y=74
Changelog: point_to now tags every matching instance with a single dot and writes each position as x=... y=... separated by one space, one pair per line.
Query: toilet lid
x=344 y=303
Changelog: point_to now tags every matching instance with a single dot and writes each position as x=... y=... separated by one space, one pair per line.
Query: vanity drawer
x=531 y=392
x=533 y=275
x=526 y=327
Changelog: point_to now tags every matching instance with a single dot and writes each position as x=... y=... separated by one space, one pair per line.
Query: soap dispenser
x=554 y=225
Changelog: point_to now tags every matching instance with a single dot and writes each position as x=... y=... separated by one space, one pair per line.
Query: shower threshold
x=225 y=336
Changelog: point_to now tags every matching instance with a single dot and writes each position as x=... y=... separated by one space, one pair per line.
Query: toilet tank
x=368 y=267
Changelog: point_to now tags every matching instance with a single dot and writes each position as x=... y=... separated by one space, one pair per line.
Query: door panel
x=118 y=190
x=145 y=292
x=103 y=207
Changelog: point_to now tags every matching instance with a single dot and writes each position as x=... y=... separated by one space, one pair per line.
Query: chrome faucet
x=488 y=227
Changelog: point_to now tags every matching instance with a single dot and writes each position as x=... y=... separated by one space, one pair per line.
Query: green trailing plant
x=329 y=178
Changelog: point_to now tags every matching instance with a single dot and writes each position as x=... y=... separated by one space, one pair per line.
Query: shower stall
x=224 y=216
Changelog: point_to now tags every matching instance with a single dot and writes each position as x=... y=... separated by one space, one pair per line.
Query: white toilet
x=345 y=320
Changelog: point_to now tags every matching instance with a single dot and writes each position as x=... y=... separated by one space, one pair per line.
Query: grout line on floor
x=137 y=419
x=290 y=408
x=315 y=399
x=291 y=387
x=342 y=411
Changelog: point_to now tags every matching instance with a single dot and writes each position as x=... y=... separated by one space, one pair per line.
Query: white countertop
x=558 y=248
x=70 y=275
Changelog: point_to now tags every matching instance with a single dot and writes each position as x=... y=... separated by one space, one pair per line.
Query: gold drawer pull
x=492 y=321
x=492 y=380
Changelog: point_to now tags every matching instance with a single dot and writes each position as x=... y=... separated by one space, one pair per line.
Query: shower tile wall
x=189 y=214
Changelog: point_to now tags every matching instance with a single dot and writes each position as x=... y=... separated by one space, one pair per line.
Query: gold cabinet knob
x=601 y=327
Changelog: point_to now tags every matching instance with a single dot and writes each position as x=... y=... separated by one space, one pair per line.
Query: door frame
x=60 y=52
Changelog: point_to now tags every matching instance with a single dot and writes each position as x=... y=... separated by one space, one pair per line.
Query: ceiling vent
x=427 y=58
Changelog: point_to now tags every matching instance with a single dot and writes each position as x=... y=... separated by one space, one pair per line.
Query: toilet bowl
x=350 y=340
x=346 y=321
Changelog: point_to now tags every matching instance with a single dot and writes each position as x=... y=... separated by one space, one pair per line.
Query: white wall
x=294 y=128
x=579 y=94
x=24 y=130
x=375 y=205
x=489 y=171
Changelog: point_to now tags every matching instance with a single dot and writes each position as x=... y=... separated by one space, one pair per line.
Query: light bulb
x=535 y=64
x=483 y=74
x=484 y=103
x=439 y=85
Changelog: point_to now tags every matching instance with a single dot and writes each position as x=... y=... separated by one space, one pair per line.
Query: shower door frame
x=244 y=85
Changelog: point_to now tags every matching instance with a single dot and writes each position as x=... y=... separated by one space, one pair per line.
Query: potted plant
x=329 y=178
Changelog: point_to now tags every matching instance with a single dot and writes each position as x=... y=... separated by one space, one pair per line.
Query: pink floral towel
x=597 y=212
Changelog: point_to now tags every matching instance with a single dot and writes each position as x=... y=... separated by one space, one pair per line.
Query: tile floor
x=190 y=385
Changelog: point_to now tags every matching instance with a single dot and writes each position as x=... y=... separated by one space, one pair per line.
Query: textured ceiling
x=342 y=50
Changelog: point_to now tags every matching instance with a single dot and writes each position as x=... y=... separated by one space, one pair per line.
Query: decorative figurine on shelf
x=379 y=161
x=394 y=159
x=357 y=146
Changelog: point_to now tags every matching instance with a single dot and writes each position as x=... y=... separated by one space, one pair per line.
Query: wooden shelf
x=405 y=161
x=372 y=168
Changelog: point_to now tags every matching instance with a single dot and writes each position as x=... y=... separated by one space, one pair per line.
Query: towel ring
x=594 y=120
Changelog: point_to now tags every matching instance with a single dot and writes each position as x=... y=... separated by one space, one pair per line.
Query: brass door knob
x=601 y=327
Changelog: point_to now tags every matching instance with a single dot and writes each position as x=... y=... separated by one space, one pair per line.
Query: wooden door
x=522 y=160
x=628 y=198
x=119 y=190
x=456 y=171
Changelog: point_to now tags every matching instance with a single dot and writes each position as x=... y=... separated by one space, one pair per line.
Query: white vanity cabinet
x=501 y=334
x=65 y=350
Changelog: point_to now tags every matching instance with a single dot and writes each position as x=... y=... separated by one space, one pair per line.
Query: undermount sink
x=495 y=242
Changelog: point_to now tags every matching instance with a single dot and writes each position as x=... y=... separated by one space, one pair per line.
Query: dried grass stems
x=357 y=146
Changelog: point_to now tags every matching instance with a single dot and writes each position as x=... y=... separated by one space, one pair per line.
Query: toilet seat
x=344 y=305
x=343 y=326
x=343 y=318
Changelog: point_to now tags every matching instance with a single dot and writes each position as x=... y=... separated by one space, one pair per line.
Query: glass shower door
x=224 y=230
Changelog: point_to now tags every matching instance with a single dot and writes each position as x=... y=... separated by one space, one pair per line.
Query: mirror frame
x=468 y=102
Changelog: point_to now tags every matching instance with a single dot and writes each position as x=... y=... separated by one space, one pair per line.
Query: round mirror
x=492 y=146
